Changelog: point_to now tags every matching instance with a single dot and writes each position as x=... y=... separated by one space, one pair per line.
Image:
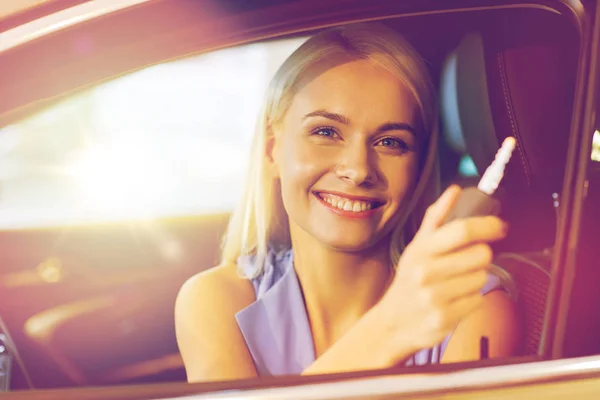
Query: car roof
x=53 y=48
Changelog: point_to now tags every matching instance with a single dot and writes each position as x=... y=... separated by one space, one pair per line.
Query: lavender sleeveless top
x=276 y=327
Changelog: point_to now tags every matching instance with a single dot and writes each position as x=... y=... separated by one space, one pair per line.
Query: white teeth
x=347 y=205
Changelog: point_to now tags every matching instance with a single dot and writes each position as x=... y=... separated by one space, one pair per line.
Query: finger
x=464 y=232
x=466 y=260
x=436 y=213
x=454 y=289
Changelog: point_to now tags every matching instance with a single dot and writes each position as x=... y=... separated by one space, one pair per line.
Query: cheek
x=300 y=163
x=299 y=170
x=403 y=177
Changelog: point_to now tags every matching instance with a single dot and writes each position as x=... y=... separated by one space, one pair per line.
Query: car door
x=573 y=320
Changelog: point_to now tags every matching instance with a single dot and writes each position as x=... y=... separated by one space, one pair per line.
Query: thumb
x=437 y=212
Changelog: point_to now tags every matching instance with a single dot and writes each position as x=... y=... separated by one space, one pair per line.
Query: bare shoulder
x=498 y=319
x=218 y=283
x=209 y=339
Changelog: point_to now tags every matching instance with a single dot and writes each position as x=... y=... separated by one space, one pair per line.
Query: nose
x=355 y=165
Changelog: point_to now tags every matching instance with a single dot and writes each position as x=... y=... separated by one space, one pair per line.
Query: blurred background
x=144 y=145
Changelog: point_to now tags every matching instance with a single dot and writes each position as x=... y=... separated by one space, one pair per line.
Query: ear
x=271 y=152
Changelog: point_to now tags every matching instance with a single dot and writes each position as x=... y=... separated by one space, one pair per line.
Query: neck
x=339 y=287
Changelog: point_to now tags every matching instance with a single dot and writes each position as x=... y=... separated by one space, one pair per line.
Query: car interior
x=93 y=304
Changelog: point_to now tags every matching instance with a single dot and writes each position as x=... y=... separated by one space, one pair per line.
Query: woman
x=315 y=277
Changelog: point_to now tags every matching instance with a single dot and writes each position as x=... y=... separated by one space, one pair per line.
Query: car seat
x=492 y=88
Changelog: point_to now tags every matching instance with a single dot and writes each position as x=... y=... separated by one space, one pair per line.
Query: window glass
x=171 y=139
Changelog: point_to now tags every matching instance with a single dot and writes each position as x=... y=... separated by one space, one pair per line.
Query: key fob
x=472 y=202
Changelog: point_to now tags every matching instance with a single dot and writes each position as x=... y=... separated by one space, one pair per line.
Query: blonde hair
x=260 y=222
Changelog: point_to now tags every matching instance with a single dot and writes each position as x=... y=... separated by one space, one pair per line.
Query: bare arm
x=498 y=320
x=371 y=344
x=208 y=337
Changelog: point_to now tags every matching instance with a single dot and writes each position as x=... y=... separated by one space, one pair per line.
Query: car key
x=479 y=201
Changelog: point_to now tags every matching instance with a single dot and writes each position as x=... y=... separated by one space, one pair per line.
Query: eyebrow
x=329 y=115
x=388 y=126
x=397 y=126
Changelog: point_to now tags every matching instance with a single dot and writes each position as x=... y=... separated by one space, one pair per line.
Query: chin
x=347 y=241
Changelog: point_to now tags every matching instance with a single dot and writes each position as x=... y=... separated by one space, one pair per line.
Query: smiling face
x=347 y=156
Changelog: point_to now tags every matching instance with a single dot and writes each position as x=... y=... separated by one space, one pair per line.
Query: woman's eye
x=324 y=132
x=392 y=143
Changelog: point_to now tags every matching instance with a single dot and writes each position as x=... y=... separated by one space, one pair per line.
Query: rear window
x=169 y=140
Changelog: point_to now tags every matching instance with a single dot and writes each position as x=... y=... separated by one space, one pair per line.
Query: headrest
x=490 y=91
x=465 y=107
